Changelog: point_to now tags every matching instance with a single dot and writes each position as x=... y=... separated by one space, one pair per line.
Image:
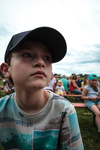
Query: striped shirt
x=55 y=127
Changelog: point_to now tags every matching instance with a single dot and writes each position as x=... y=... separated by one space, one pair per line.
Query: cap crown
x=92 y=76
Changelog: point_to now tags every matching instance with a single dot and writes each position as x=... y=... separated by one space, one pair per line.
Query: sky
x=77 y=20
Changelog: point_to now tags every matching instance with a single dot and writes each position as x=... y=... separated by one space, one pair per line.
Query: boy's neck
x=32 y=102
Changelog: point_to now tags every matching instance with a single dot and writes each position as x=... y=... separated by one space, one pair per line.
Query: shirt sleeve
x=86 y=87
x=63 y=87
x=56 y=87
x=70 y=136
x=99 y=90
x=55 y=80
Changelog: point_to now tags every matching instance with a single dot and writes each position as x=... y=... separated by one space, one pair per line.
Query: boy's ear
x=4 y=69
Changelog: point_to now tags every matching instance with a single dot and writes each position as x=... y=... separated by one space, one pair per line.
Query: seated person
x=55 y=76
x=51 y=84
x=85 y=82
x=91 y=96
x=60 y=88
x=8 y=86
x=73 y=86
x=65 y=83
x=79 y=81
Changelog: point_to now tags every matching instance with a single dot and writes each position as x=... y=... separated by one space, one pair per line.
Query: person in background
x=55 y=76
x=4 y=83
x=60 y=89
x=73 y=86
x=85 y=82
x=67 y=78
x=51 y=84
x=79 y=81
x=70 y=78
x=65 y=83
x=91 y=96
x=31 y=117
x=56 y=79
x=8 y=86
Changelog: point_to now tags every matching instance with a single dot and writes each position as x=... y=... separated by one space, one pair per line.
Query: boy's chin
x=38 y=86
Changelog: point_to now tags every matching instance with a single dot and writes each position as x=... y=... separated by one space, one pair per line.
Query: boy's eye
x=48 y=58
x=26 y=55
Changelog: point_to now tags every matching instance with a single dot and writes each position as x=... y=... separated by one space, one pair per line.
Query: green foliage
x=99 y=79
x=1 y=82
x=88 y=129
x=1 y=74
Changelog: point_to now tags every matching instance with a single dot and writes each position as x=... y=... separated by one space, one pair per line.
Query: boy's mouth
x=39 y=73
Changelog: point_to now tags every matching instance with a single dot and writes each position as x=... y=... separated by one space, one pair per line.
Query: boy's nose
x=39 y=63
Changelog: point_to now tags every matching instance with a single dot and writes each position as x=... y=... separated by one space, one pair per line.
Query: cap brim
x=49 y=36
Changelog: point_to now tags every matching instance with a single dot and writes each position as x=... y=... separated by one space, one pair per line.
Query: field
x=88 y=130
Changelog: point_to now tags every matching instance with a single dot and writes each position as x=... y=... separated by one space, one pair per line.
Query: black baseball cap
x=53 y=39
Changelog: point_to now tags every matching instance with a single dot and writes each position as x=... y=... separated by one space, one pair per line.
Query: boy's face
x=30 y=66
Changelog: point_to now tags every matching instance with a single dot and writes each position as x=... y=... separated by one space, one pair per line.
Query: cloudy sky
x=77 y=20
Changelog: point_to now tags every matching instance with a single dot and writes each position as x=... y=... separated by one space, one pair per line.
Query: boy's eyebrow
x=24 y=48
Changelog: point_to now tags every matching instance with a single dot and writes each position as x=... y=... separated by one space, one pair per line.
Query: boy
x=32 y=118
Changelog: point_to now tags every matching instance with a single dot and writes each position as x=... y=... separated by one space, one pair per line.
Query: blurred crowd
x=59 y=85
x=63 y=85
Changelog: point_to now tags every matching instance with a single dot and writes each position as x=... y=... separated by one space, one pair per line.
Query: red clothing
x=71 y=86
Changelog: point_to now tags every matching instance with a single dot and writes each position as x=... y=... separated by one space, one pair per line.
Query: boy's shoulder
x=61 y=104
x=6 y=104
x=59 y=99
x=6 y=98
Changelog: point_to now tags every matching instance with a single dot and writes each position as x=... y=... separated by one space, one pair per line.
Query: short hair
x=64 y=76
x=74 y=76
x=55 y=74
x=60 y=82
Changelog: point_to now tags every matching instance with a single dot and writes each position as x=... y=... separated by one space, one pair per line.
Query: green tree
x=1 y=74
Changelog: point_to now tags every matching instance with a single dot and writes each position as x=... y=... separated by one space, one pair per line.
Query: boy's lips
x=39 y=73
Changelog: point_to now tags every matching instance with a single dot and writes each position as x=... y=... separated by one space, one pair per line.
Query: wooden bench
x=82 y=105
x=79 y=105
x=72 y=95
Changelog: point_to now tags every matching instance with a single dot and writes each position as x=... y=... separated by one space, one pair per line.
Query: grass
x=88 y=130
